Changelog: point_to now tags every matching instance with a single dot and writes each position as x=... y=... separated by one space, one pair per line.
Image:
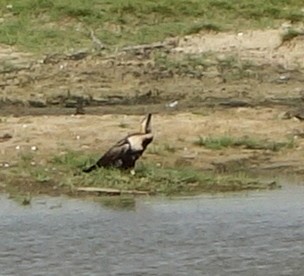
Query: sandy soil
x=175 y=137
x=263 y=47
x=118 y=90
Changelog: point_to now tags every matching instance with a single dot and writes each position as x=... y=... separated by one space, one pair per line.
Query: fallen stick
x=110 y=191
x=145 y=46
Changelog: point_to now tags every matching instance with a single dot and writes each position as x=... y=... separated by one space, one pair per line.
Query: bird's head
x=145 y=126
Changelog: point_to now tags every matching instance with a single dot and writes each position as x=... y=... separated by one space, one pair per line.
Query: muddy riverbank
x=223 y=110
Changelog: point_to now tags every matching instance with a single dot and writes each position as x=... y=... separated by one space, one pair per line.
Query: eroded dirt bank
x=252 y=68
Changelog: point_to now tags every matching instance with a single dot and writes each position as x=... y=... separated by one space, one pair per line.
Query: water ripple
x=256 y=234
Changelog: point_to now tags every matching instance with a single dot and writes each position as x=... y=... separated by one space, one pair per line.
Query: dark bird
x=79 y=108
x=124 y=154
x=5 y=137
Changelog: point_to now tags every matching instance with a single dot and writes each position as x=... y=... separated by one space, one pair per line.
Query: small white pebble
x=77 y=137
x=18 y=147
x=240 y=34
x=6 y=165
x=34 y=148
x=33 y=163
x=132 y=172
x=172 y=104
x=24 y=126
x=85 y=147
x=158 y=164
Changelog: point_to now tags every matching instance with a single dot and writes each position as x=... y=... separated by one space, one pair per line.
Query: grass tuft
x=203 y=26
x=72 y=159
x=244 y=142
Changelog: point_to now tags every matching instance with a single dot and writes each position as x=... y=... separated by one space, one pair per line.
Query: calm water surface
x=236 y=234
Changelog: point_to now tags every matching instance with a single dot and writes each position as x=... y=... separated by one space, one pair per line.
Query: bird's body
x=124 y=154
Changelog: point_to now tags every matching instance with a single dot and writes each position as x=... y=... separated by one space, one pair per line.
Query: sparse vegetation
x=203 y=26
x=169 y=148
x=123 y=125
x=71 y=159
x=162 y=149
x=195 y=65
x=40 y=175
x=21 y=199
x=235 y=68
x=64 y=172
x=154 y=149
x=291 y=34
x=26 y=157
x=185 y=63
x=244 y=142
x=62 y=25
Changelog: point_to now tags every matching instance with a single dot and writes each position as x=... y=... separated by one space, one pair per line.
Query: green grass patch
x=161 y=149
x=65 y=172
x=165 y=181
x=72 y=160
x=204 y=26
x=47 y=25
x=243 y=142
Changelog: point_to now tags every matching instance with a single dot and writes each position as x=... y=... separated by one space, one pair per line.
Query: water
x=235 y=234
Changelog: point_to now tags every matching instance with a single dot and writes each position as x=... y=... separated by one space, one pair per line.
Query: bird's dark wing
x=113 y=156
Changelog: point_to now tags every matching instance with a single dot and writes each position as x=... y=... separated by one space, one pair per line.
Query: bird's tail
x=89 y=169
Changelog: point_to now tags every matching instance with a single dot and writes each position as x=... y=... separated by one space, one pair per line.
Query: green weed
x=72 y=159
x=40 y=175
x=243 y=142
x=203 y=26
